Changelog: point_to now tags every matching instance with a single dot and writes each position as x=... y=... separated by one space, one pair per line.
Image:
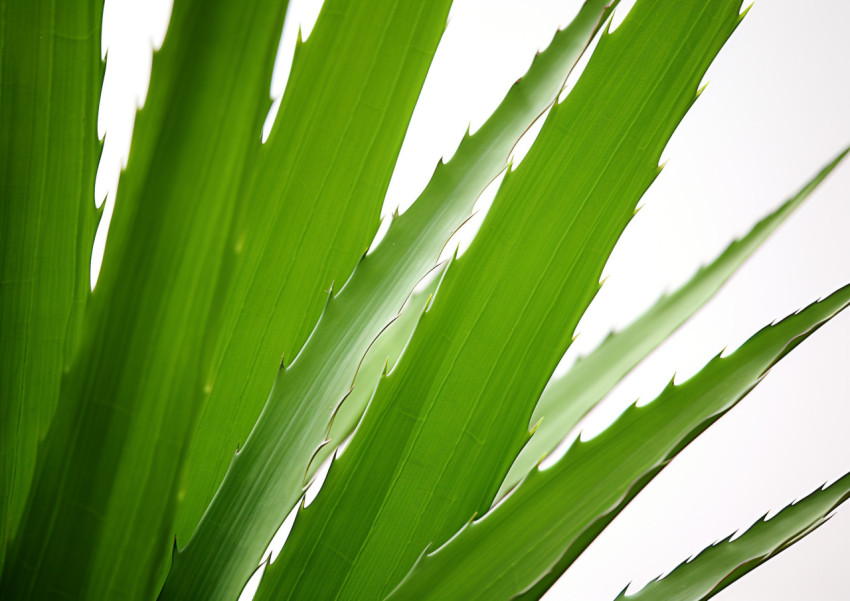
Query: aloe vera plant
x=157 y=430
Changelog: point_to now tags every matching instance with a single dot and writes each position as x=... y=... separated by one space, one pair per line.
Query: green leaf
x=554 y=514
x=312 y=201
x=108 y=470
x=445 y=425
x=324 y=170
x=568 y=399
x=265 y=479
x=50 y=79
x=484 y=154
x=726 y=561
x=381 y=357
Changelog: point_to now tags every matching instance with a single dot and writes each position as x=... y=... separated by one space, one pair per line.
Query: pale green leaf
x=381 y=357
x=721 y=564
x=309 y=208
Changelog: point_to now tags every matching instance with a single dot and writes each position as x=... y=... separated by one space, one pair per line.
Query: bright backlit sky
x=775 y=111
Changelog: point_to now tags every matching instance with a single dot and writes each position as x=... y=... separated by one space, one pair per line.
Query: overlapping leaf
x=484 y=155
x=265 y=478
x=106 y=477
x=50 y=85
x=723 y=563
x=382 y=356
x=551 y=517
x=328 y=161
x=220 y=252
x=444 y=427
x=325 y=170
x=567 y=399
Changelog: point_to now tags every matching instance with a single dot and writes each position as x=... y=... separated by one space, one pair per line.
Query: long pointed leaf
x=50 y=80
x=553 y=515
x=568 y=399
x=443 y=428
x=311 y=202
x=723 y=563
x=265 y=478
x=329 y=191
x=484 y=155
x=107 y=474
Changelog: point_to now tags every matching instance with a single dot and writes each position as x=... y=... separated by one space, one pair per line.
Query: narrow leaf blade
x=528 y=540
x=314 y=200
x=107 y=472
x=50 y=80
x=265 y=479
x=568 y=399
x=310 y=204
x=721 y=564
x=444 y=426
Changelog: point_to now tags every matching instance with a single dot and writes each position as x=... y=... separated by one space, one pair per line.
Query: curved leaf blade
x=724 y=562
x=265 y=479
x=553 y=515
x=380 y=358
x=566 y=400
x=309 y=208
x=107 y=472
x=445 y=425
x=326 y=165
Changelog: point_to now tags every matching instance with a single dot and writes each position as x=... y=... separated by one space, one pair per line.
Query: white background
x=775 y=111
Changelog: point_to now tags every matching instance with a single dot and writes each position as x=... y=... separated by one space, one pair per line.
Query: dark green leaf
x=50 y=80
x=107 y=473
